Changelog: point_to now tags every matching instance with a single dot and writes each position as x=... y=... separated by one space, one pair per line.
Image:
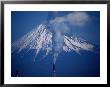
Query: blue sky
x=26 y=21
x=86 y=26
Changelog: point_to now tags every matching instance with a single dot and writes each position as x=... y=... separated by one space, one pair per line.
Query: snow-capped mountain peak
x=41 y=39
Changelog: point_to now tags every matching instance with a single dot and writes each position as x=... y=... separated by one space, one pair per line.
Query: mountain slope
x=41 y=39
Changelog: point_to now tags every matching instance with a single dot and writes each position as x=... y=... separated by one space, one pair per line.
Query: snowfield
x=42 y=39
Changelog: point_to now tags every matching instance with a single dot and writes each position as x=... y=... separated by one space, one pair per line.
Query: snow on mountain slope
x=75 y=44
x=41 y=39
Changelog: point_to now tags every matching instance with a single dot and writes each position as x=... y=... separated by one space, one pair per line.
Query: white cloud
x=74 y=18
x=78 y=18
x=57 y=20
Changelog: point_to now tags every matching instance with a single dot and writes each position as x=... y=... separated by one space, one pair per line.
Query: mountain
x=42 y=39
